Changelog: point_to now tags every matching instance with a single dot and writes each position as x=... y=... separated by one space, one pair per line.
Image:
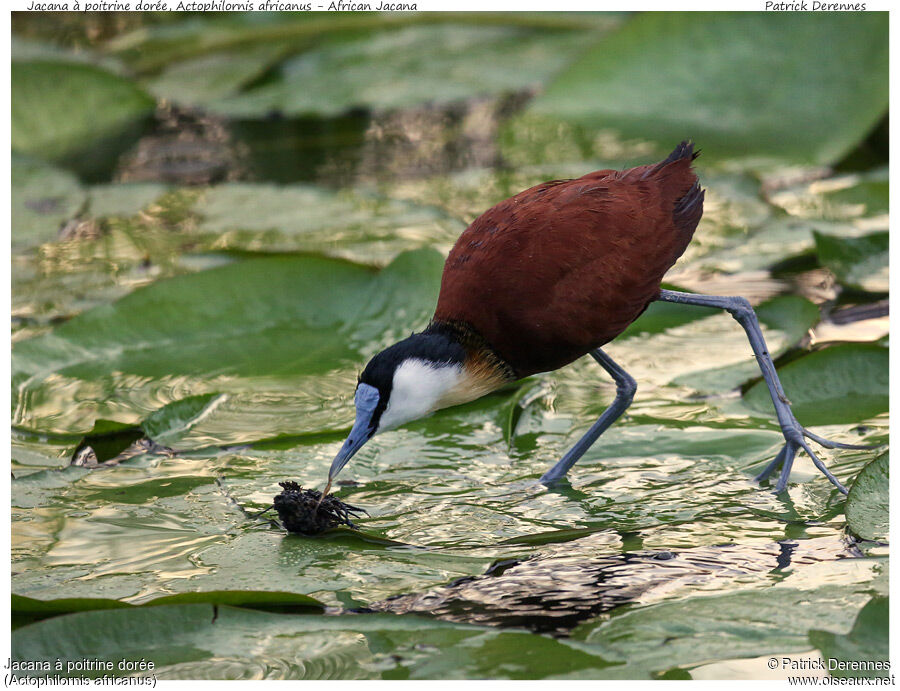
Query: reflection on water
x=554 y=594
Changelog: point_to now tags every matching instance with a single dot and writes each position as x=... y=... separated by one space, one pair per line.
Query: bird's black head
x=406 y=381
x=435 y=350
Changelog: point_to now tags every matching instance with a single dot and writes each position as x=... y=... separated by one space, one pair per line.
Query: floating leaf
x=194 y=641
x=665 y=76
x=165 y=425
x=857 y=262
x=844 y=383
x=28 y=609
x=277 y=316
x=786 y=318
x=660 y=316
x=151 y=47
x=868 y=504
x=846 y=197
x=123 y=199
x=349 y=223
x=59 y=108
x=695 y=630
x=409 y=67
x=43 y=198
x=209 y=77
x=867 y=642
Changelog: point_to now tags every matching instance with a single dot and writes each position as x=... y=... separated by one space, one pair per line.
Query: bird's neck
x=485 y=370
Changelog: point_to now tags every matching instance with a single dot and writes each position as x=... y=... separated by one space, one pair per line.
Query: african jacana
x=542 y=279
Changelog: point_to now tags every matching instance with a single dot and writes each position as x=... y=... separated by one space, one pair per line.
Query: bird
x=544 y=278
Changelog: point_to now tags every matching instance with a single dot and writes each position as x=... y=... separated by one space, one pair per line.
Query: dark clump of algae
x=228 y=321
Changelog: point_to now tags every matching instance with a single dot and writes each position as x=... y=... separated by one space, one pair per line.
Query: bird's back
x=564 y=267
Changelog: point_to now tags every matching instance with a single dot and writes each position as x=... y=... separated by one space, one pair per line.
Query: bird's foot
x=795 y=440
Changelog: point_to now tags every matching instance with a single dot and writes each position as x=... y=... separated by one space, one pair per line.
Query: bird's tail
x=684 y=150
x=679 y=184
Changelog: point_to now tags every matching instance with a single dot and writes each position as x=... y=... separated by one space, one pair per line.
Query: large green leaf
x=209 y=77
x=43 y=198
x=277 y=317
x=28 y=609
x=844 y=383
x=738 y=83
x=857 y=262
x=410 y=66
x=152 y=47
x=195 y=641
x=59 y=108
x=165 y=424
x=868 y=504
x=867 y=642
x=700 y=629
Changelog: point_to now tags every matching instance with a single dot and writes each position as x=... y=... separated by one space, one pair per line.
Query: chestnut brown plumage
x=562 y=268
x=546 y=277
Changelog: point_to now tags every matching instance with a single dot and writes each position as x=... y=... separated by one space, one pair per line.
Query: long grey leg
x=794 y=433
x=625 y=388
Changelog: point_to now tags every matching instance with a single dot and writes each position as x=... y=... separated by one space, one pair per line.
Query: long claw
x=790 y=451
x=828 y=444
x=821 y=466
x=769 y=469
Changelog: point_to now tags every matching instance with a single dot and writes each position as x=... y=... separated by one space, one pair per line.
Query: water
x=660 y=522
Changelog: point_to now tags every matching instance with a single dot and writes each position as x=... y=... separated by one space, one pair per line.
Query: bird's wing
x=574 y=260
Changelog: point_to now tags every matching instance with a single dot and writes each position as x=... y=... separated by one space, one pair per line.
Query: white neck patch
x=419 y=388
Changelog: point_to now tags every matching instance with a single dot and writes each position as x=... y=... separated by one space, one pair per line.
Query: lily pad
x=152 y=47
x=786 y=319
x=660 y=316
x=165 y=425
x=43 y=198
x=206 y=78
x=848 y=197
x=868 y=504
x=667 y=75
x=856 y=262
x=278 y=317
x=696 y=630
x=28 y=609
x=867 y=642
x=408 y=67
x=59 y=108
x=844 y=383
x=196 y=641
